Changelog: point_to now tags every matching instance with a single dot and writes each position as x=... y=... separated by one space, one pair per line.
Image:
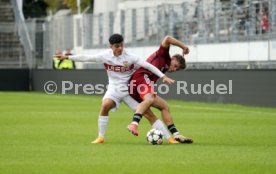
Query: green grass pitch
x=50 y=134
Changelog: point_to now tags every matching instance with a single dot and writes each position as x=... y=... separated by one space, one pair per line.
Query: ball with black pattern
x=155 y=137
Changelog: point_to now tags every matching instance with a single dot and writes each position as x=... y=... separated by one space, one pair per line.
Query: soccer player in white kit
x=120 y=65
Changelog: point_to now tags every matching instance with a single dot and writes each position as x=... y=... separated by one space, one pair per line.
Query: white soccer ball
x=155 y=137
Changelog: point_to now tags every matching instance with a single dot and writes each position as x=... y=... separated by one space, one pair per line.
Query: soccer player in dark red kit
x=142 y=81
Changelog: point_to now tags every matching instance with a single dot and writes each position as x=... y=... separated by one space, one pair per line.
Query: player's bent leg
x=162 y=105
x=141 y=109
x=150 y=116
x=148 y=100
x=107 y=105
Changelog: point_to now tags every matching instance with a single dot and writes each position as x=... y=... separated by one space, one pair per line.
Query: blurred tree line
x=41 y=8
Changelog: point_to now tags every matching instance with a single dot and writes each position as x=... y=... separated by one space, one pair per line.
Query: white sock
x=102 y=124
x=158 y=124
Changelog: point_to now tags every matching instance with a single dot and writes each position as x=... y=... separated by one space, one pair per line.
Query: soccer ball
x=155 y=137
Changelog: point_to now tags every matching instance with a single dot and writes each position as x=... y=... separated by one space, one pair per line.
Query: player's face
x=117 y=48
x=174 y=66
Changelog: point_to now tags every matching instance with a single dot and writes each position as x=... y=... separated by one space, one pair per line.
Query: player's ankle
x=134 y=122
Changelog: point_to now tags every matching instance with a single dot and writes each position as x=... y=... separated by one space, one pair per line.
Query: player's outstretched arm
x=85 y=58
x=169 y=40
x=79 y=58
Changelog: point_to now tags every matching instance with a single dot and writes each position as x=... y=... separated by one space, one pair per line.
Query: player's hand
x=186 y=50
x=60 y=57
x=167 y=80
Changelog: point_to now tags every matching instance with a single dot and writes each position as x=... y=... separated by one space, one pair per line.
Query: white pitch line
x=222 y=109
x=60 y=96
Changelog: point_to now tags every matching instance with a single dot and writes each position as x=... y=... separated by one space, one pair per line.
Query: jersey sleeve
x=163 y=51
x=149 y=67
x=88 y=58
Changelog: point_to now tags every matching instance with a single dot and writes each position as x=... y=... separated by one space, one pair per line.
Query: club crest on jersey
x=164 y=68
x=125 y=64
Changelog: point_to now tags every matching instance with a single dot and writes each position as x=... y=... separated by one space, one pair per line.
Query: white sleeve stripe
x=152 y=68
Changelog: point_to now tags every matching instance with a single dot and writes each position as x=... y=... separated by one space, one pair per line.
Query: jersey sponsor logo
x=118 y=68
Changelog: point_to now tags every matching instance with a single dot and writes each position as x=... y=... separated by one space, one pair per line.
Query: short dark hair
x=181 y=60
x=116 y=38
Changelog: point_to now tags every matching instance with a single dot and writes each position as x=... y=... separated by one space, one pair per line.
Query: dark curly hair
x=116 y=38
x=181 y=60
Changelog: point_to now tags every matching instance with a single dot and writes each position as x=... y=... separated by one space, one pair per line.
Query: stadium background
x=224 y=36
x=43 y=133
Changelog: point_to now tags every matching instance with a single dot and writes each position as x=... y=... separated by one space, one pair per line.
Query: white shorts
x=118 y=95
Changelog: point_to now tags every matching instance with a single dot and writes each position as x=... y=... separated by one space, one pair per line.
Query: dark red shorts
x=139 y=86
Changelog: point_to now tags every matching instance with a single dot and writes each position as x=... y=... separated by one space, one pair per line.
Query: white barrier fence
x=223 y=52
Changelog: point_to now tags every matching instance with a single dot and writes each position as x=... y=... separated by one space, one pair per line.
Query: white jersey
x=119 y=69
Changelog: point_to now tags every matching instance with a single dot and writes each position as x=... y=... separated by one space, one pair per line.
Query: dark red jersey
x=161 y=59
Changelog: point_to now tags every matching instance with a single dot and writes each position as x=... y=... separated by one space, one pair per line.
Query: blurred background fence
x=32 y=42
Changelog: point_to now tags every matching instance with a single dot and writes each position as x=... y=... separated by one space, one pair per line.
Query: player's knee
x=106 y=106
x=149 y=98
x=164 y=107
